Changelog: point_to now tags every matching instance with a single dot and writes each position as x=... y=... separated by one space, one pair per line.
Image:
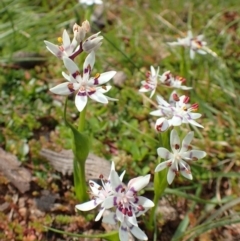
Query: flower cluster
x=167 y=78
x=176 y=112
x=81 y=82
x=123 y=200
x=114 y=194
x=71 y=49
x=195 y=44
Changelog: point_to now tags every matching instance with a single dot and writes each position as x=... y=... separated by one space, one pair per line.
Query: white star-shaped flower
x=150 y=84
x=195 y=44
x=168 y=79
x=85 y=85
x=178 y=158
x=66 y=47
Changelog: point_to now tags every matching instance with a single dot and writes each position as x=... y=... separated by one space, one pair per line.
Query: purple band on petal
x=136 y=200
x=96 y=82
x=95 y=202
x=124 y=229
x=91 y=92
x=71 y=87
x=189 y=117
x=179 y=116
x=115 y=201
x=74 y=75
x=118 y=188
x=132 y=190
x=81 y=93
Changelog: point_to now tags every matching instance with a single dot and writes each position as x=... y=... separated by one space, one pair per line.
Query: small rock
x=119 y=78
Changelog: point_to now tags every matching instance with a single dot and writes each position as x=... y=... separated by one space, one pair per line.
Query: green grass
x=135 y=34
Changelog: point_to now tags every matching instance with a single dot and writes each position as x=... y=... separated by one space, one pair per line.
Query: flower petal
x=109 y=202
x=193 y=155
x=64 y=88
x=54 y=49
x=174 y=141
x=89 y=61
x=94 y=187
x=115 y=181
x=98 y=217
x=70 y=65
x=122 y=175
x=186 y=141
x=193 y=122
x=176 y=120
x=110 y=218
x=153 y=72
x=66 y=39
x=99 y=97
x=145 y=202
x=80 y=102
x=185 y=169
x=102 y=79
x=138 y=233
x=161 y=101
x=104 y=89
x=136 y=184
x=156 y=112
x=192 y=53
x=163 y=165
x=66 y=76
x=88 y=205
x=123 y=232
x=152 y=93
x=195 y=116
x=170 y=176
x=164 y=153
x=183 y=87
x=132 y=220
x=201 y=51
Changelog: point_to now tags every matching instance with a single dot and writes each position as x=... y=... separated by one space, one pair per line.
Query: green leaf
x=80 y=149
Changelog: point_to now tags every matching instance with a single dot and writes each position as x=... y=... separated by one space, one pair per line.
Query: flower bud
x=92 y=43
x=80 y=31
x=161 y=124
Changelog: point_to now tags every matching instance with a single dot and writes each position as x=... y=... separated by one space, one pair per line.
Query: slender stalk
x=75 y=54
x=160 y=184
x=79 y=180
x=79 y=165
x=80 y=151
x=183 y=64
x=81 y=123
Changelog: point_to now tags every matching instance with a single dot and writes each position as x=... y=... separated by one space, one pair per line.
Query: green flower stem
x=160 y=184
x=79 y=180
x=79 y=165
x=81 y=123
x=185 y=67
x=80 y=147
x=183 y=64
